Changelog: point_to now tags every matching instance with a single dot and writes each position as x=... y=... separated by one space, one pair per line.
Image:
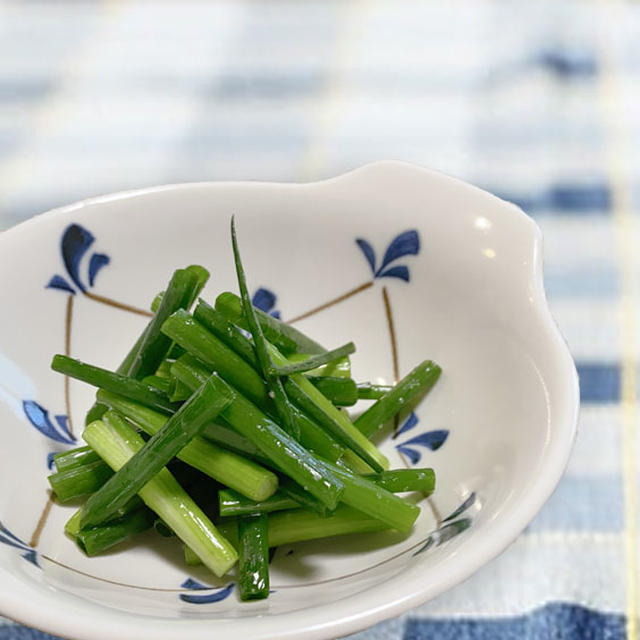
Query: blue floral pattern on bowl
x=404 y=244
x=11 y=540
x=213 y=594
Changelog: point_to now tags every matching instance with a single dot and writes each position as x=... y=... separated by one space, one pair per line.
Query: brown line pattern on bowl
x=331 y=303
x=42 y=521
x=67 y=352
x=118 y=305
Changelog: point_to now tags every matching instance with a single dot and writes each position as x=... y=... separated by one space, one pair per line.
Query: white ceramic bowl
x=458 y=271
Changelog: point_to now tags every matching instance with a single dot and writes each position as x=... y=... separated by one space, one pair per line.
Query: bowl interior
x=451 y=269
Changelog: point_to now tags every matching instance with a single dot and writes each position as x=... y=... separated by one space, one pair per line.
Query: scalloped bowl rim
x=363 y=609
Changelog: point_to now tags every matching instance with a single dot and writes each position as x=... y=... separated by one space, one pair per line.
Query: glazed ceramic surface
x=409 y=264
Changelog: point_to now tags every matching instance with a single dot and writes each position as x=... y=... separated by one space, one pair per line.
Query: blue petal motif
x=462 y=508
x=216 y=596
x=7 y=533
x=11 y=543
x=11 y=540
x=58 y=282
x=412 y=454
x=98 y=260
x=63 y=424
x=76 y=240
x=264 y=300
x=32 y=557
x=408 y=424
x=38 y=416
x=399 y=271
x=444 y=534
x=50 y=460
x=369 y=253
x=404 y=244
x=192 y=584
x=431 y=439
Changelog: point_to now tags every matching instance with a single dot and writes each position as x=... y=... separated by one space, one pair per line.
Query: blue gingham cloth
x=537 y=102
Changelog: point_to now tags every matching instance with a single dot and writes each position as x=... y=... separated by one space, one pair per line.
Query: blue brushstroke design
x=58 y=282
x=404 y=244
x=50 y=460
x=432 y=440
x=209 y=598
x=38 y=416
x=413 y=455
x=11 y=540
x=369 y=253
x=32 y=557
x=265 y=300
x=76 y=240
x=469 y=502
x=63 y=424
x=8 y=533
x=557 y=620
x=190 y=583
x=444 y=534
x=399 y=271
x=98 y=260
x=11 y=543
x=408 y=424
x=74 y=244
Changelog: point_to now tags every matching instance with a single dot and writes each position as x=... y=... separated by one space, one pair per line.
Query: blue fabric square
x=556 y=621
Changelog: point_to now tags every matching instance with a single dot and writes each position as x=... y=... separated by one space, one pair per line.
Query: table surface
x=537 y=102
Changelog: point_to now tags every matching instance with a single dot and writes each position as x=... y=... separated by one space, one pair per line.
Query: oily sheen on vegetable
x=226 y=429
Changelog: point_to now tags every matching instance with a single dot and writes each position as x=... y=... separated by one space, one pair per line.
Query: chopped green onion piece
x=114 y=382
x=298 y=525
x=117 y=443
x=282 y=450
x=287 y=338
x=78 y=481
x=159 y=383
x=197 y=340
x=253 y=561
x=341 y=392
x=276 y=388
x=179 y=430
x=75 y=458
x=311 y=401
x=178 y=391
x=190 y=557
x=372 y=499
x=225 y=331
x=313 y=362
x=231 y=503
x=231 y=469
x=402 y=480
x=368 y=391
x=162 y=529
x=416 y=383
x=96 y=540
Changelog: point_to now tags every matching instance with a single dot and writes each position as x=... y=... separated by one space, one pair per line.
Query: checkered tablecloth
x=538 y=102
